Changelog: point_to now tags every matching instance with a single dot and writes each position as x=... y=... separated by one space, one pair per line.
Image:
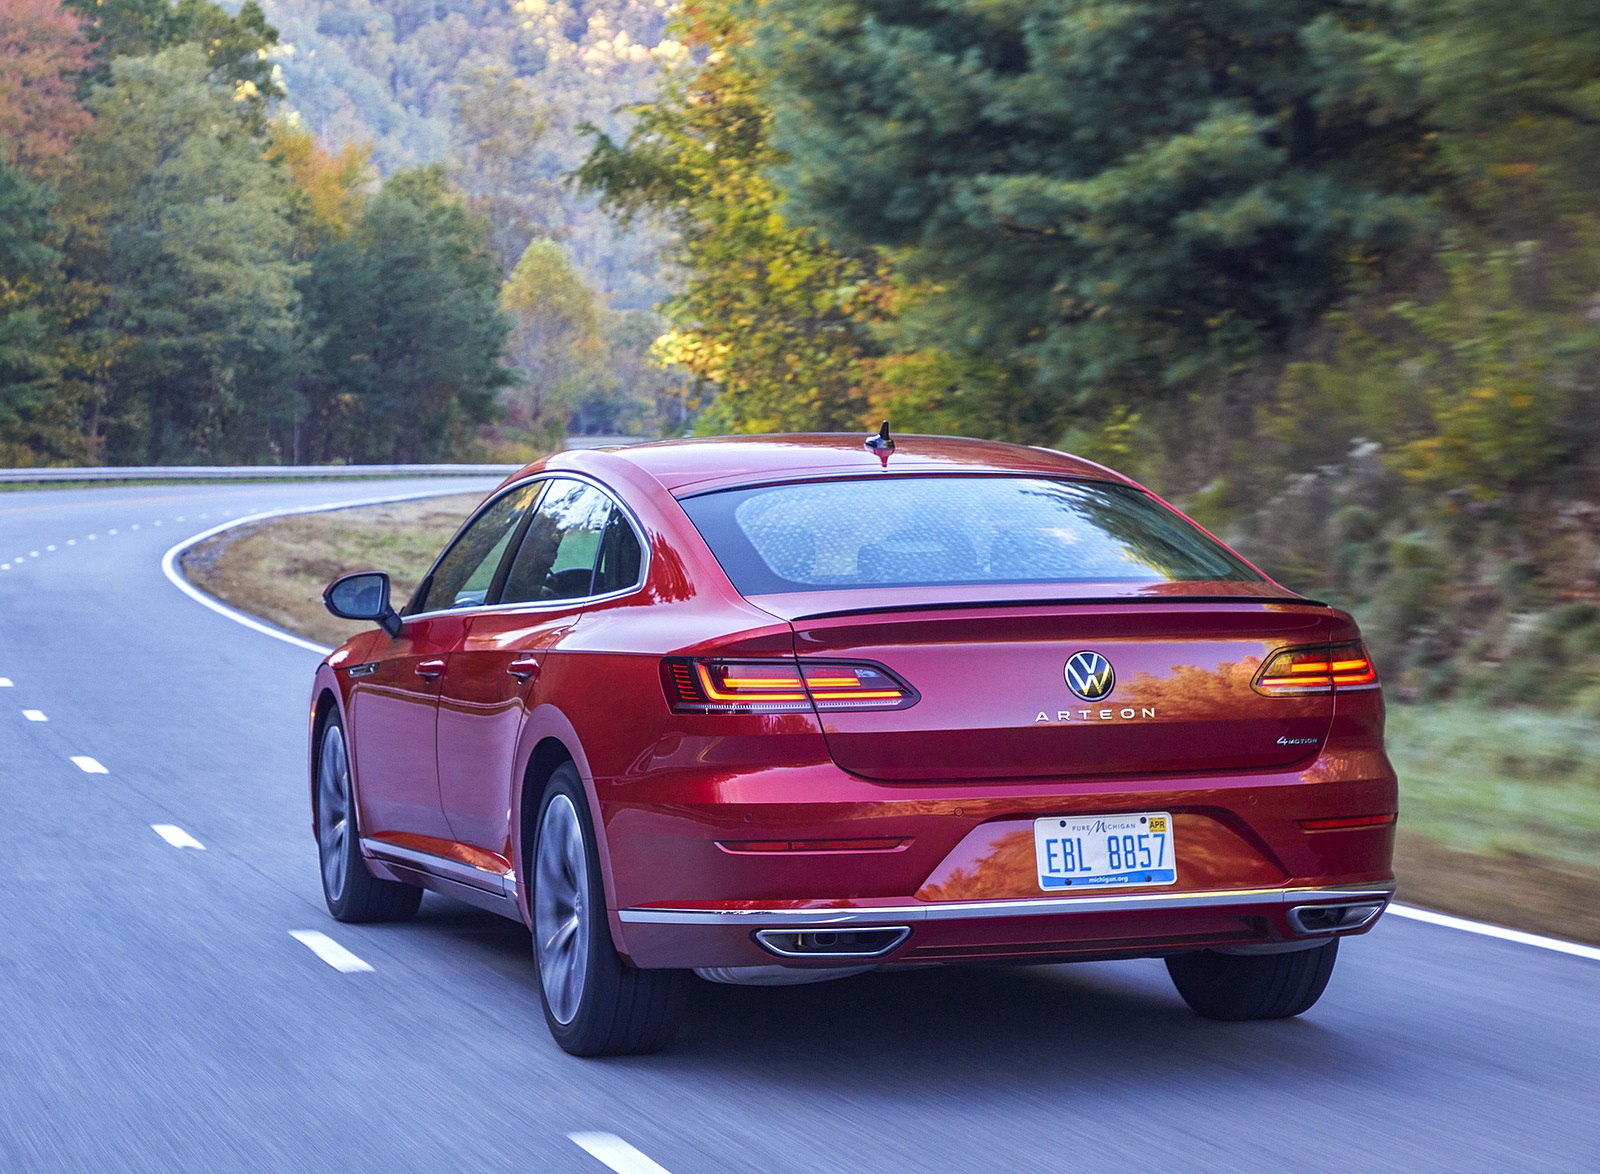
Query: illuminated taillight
x=781 y=686
x=1317 y=668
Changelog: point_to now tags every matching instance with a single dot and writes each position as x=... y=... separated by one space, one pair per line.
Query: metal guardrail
x=285 y=472
x=251 y=472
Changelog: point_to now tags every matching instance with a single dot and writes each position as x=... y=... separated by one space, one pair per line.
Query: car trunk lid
x=996 y=701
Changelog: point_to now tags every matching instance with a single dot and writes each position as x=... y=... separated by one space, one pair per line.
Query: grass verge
x=1500 y=810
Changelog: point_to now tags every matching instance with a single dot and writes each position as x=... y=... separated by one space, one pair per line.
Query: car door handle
x=430 y=669
x=524 y=668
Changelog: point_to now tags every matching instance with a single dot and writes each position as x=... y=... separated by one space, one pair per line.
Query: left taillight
x=1317 y=668
x=780 y=686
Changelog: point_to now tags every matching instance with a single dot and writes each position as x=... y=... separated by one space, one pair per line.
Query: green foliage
x=407 y=331
x=1118 y=196
x=555 y=340
x=29 y=329
x=180 y=226
x=236 y=47
x=769 y=315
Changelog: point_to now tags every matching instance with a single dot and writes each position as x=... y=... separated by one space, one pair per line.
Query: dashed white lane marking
x=1497 y=931
x=5 y=566
x=612 y=1151
x=49 y=548
x=92 y=537
x=135 y=526
x=329 y=951
x=157 y=522
x=110 y=531
x=72 y=542
x=33 y=554
x=89 y=766
x=35 y=715
x=176 y=836
x=5 y=683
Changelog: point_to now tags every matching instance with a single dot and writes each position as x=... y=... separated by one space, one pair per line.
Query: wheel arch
x=549 y=740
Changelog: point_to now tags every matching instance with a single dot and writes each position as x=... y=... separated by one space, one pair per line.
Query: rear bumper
x=1124 y=925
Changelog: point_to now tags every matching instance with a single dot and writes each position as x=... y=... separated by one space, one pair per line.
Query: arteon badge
x=1090 y=675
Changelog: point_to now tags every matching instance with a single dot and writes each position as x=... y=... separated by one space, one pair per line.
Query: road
x=156 y=1013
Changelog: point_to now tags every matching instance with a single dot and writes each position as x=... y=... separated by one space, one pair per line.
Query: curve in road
x=157 y=1014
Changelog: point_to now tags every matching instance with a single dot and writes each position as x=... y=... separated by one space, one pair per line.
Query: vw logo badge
x=1090 y=675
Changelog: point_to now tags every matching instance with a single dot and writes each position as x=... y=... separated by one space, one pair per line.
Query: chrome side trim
x=442 y=866
x=1042 y=907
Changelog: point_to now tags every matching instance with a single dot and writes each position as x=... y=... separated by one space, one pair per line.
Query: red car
x=783 y=708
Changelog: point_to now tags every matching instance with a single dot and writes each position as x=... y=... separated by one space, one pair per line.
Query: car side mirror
x=363 y=596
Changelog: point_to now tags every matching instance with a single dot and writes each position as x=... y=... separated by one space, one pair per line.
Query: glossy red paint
x=449 y=766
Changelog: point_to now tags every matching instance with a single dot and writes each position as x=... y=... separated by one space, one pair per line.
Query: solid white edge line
x=1483 y=929
x=169 y=561
x=176 y=836
x=329 y=951
x=616 y=1153
x=88 y=766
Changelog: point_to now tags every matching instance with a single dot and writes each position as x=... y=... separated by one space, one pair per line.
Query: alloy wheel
x=561 y=908
x=333 y=810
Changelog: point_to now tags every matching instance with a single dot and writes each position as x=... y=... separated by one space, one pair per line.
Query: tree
x=1114 y=195
x=770 y=315
x=42 y=52
x=180 y=229
x=555 y=340
x=501 y=162
x=236 y=47
x=33 y=426
x=408 y=331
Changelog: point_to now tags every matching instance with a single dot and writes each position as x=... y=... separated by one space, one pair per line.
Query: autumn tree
x=42 y=55
x=770 y=316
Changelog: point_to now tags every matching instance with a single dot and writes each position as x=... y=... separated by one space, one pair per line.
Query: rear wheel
x=1252 y=986
x=352 y=893
x=594 y=1003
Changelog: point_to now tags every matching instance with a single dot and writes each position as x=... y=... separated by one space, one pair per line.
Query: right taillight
x=780 y=686
x=1317 y=668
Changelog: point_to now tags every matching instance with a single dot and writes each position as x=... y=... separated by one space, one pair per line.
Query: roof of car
x=687 y=465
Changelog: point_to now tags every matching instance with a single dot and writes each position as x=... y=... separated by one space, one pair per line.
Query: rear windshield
x=922 y=531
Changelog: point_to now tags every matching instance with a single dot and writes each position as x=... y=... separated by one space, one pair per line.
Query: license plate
x=1083 y=851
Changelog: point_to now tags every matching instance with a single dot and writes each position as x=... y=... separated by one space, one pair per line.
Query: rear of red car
x=1019 y=717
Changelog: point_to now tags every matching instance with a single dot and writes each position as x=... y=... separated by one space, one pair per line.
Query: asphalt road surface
x=156 y=1012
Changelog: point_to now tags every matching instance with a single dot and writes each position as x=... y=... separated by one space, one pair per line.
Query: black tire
x=1253 y=986
x=594 y=1003
x=352 y=892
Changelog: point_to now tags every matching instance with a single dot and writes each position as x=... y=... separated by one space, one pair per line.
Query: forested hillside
x=1327 y=273
x=200 y=263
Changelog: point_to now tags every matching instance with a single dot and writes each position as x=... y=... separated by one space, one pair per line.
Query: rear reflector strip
x=881 y=844
x=1354 y=821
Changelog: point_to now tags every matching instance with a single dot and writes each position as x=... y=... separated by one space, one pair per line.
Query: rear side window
x=557 y=557
x=922 y=531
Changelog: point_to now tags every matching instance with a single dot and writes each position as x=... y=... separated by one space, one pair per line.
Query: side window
x=557 y=556
x=618 y=566
x=466 y=572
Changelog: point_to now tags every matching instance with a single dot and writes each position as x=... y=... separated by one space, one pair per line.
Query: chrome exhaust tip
x=871 y=942
x=1327 y=919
